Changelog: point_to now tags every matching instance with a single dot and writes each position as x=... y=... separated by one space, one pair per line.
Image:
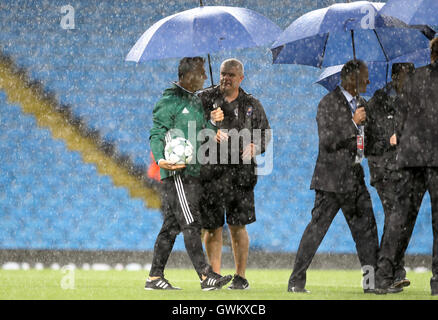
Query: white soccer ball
x=178 y=151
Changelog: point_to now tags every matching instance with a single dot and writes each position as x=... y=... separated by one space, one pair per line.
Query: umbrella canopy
x=204 y=30
x=331 y=76
x=345 y=31
x=413 y=12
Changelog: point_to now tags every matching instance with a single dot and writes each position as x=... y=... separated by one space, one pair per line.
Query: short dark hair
x=351 y=67
x=187 y=64
x=397 y=68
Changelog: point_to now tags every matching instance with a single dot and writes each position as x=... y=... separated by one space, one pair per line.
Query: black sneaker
x=214 y=281
x=390 y=289
x=368 y=291
x=434 y=286
x=400 y=283
x=297 y=290
x=159 y=284
x=239 y=283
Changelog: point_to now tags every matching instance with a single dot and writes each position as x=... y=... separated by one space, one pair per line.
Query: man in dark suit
x=417 y=158
x=338 y=179
x=380 y=150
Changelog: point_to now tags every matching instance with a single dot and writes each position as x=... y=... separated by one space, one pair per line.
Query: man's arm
x=332 y=136
x=400 y=114
x=162 y=120
x=261 y=123
x=375 y=143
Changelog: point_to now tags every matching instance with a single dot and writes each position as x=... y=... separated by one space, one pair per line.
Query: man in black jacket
x=417 y=158
x=234 y=176
x=338 y=179
x=380 y=150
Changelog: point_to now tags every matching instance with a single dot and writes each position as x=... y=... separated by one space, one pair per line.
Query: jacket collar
x=183 y=90
x=346 y=94
x=218 y=92
x=340 y=95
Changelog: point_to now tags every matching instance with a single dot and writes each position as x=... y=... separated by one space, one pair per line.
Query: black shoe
x=298 y=290
x=159 y=284
x=390 y=289
x=401 y=283
x=369 y=291
x=239 y=283
x=214 y=281
x=434 y=286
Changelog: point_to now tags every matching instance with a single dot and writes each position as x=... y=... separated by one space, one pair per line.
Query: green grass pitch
x=265 y=285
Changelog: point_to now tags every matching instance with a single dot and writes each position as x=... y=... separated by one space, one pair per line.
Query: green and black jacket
x=177 y=109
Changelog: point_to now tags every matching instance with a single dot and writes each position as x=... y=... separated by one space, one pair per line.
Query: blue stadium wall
x=51 y=199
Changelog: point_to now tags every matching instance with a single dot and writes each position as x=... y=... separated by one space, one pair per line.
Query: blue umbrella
x=331 y=76
x=346 y=31
x=204 y=30
x=413 y=12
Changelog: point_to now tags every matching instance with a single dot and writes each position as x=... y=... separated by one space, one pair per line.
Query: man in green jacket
x=180 y=112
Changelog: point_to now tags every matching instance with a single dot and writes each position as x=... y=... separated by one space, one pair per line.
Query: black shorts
x=221 y=197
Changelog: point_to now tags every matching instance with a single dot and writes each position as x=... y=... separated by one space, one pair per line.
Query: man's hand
x=164 y=164
x=393 y=140
x=221 y=136
x=359 y=116
x=217 y=115
x=249 y=152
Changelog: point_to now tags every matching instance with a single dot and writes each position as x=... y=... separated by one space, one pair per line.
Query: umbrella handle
x=201 y=4
x=353 y=45
x=211 y=71
x=357 y=71
x=218 y=123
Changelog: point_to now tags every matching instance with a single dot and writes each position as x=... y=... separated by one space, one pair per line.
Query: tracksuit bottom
x=413 y=184
x=180 y=198
x=358 y=211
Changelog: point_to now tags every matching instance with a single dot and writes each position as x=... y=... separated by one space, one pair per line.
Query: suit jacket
x=335 y=169
x=379 y=128
x=417 y=120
